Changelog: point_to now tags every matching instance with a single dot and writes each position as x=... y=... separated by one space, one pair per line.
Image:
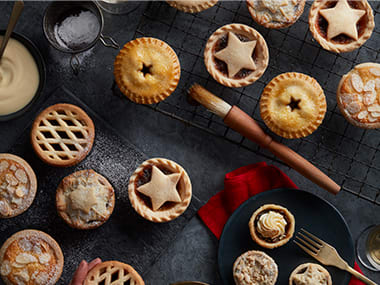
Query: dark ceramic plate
x=311 y=213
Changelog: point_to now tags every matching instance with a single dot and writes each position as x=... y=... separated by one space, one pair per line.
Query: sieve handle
x=109 y=42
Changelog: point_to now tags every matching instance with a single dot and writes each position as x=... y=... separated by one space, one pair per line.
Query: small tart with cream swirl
x=271 y=226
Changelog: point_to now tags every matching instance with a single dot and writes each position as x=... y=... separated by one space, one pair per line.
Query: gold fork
x=326 y=254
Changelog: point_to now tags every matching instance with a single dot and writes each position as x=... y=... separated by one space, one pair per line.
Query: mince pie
x=147 y=70
x=192 y=6
x=276 y=14
x=62 y=135
x=293 y=105
x=31 y=257
x=18 y=185
x=255 y=267
x=160 y=190
x=341 y=26
x=85 y=199
x=358 y=95
x=271 y=226
x=236 y=55
x=310 y=274
x=113 y=272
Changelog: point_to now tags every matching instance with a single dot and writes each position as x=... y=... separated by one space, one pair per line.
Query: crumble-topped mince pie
x=310 y=273
x=358 y=95
x=271 y=226
x=85 y=199
x=18 y=185
x=192 y=6
x=236 y=55
x=113 y=272
x=276 y=14
x=62 y=135
x=147 y=70
x=293 y=105
x=31 y=257
x=160 y=190
x=255 y=267
x=341 y=26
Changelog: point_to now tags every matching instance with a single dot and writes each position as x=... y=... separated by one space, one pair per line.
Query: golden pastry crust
x=18 y=185
x=31 y=257
x=85 y=199
x=286 y=229
x=168 y=209
x=219 y=69
x=358 y=95
x=113 y=272
x=62 y=135
x=341 y=43
x=192 y=6
x=255 y=267
x=147 y=70
x=274 y=14
x=310 y=273
x=293 y=105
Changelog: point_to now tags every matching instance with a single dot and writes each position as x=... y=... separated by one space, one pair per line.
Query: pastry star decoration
x=237 y=55
x=342 y=19
x=161 y=188
x=83 y=199
x=310 y=276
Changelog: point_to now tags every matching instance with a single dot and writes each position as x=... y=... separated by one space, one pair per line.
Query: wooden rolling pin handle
x=248 y=127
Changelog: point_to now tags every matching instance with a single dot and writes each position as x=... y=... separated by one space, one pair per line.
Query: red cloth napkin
x=239 y=185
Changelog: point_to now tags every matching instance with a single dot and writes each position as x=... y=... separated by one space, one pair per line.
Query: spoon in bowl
x=16 y=12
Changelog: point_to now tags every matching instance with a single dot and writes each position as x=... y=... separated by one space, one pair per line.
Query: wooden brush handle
x=247 y=126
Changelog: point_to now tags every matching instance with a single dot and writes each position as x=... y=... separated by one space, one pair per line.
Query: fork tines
x=308 y=242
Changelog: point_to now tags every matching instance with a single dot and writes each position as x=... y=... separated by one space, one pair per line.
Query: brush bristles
x=209 y=100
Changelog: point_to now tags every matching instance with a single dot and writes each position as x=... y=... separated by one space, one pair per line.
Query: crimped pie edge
x=265 y=112
x=90 y=140
x=41 y=235
x=162 y=216
x=209 y=61
x=341 y=107
x=270 y=25
x=195 y=8
x=33 y=184
x=119 y=74
x=304 y=265
x=114 y=263
x=334 y=47
x=258 y=240
x=66 y=217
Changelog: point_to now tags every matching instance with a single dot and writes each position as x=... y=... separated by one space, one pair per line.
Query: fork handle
x=360 y=276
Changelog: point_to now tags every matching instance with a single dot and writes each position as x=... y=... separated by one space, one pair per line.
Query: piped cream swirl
x=271 y=225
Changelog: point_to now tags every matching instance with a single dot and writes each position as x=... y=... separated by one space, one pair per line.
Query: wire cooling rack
x=349 y=155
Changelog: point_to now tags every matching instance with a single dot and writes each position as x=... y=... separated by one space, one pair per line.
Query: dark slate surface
x=191 y=255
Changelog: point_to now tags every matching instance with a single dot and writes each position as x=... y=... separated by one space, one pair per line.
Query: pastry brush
x=241 y=122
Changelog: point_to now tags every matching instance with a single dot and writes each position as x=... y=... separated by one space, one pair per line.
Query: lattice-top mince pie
x=293 y=105
x=30 y=257
x=62 y=135
x=255 y=267
x=341 y=26
x=85 y=199
x=113 y=272
x=160 y=190
x=276 y=14
x=147 y=70
x=236 y=55
x=192 y=6
x=358 y=95
x=271 y=226
x=310 y=273
x=18 y=185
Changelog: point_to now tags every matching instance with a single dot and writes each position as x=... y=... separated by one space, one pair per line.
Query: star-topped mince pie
x=358 y=95
x=160 y=190
x=18 y=185
x=310 y=273
x=31 y=257
x=276 y=14
x=341 y=26
x=236 y=55
x=85 y=199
